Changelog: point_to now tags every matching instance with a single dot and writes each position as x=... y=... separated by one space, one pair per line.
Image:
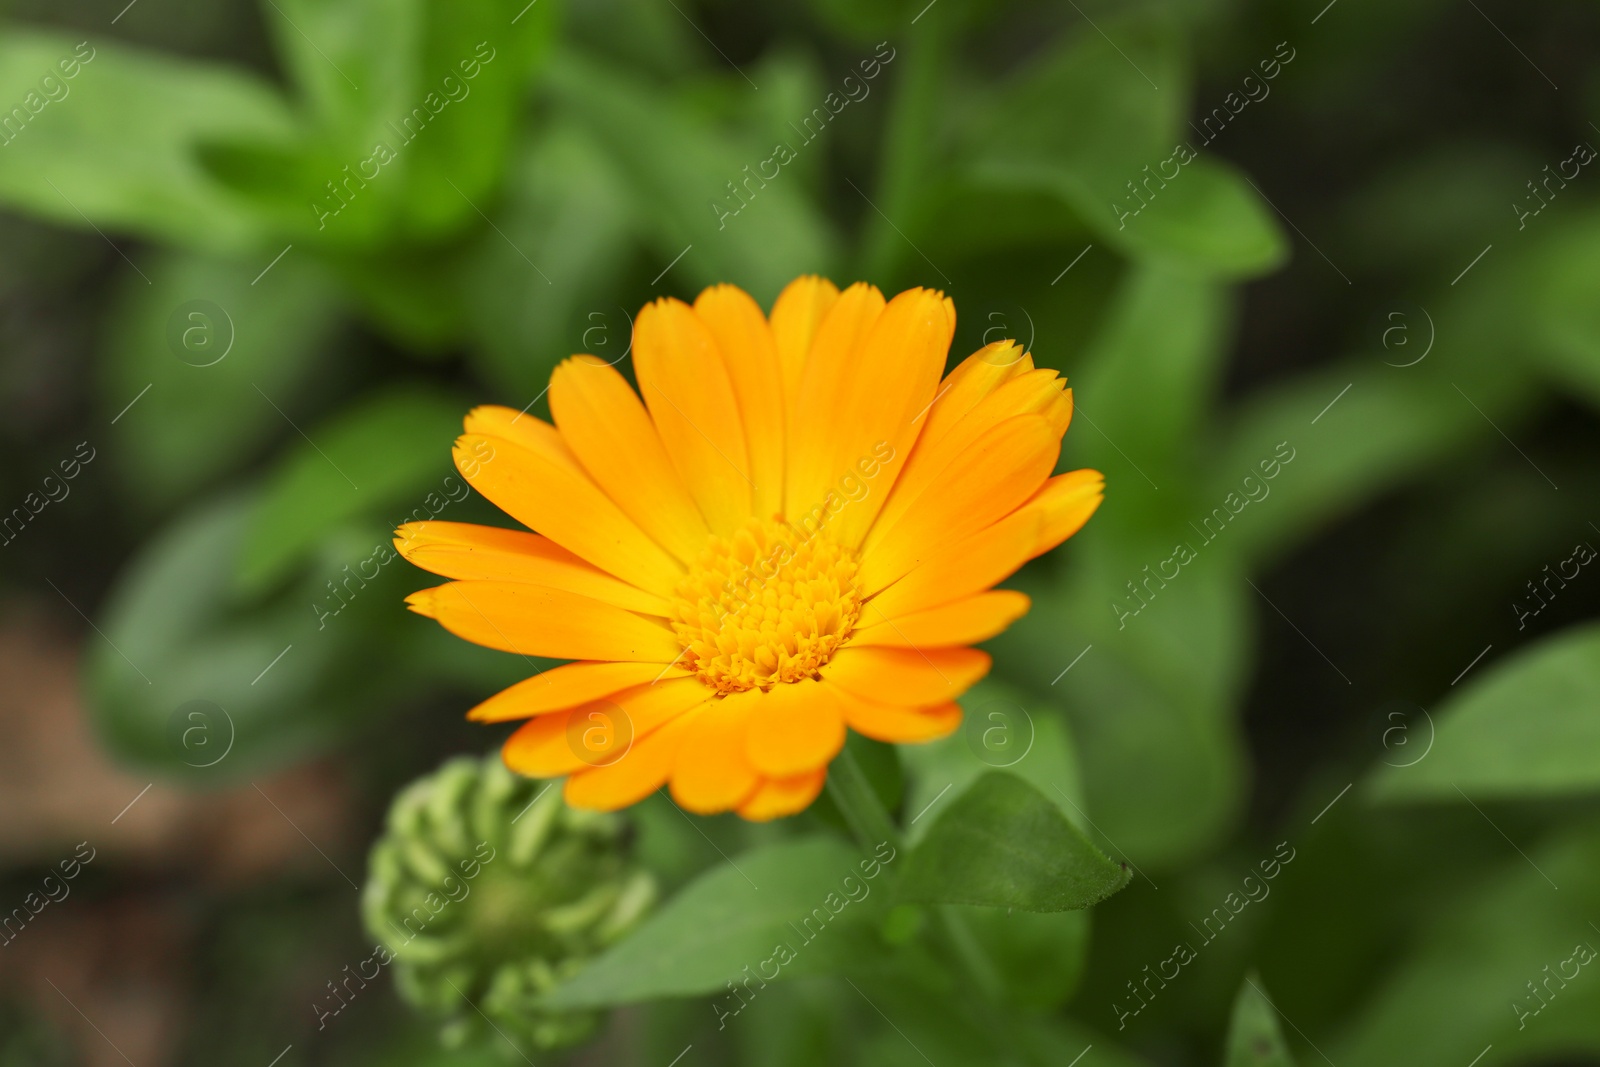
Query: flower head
x=487 y=891
x=796 y=530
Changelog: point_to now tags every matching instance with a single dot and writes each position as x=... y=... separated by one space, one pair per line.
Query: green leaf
x=410 y=110
x=192 y=683
x=1091 y=113
x=865 y=20
x=680 y=165
x=1004 y=844
x=119 y=150
x=1564 y=313
x=1207 y=218
x=193 y=419
x=1377 y=420
x=412 y=294
x=391 y=452
x=918 y=1014
x=566 y=204
x=1089 y=121
x=1389 y=426
x=1149 y=376
x=1039 y=956
x=796 y=1024
x=1430 y=199
x=462 y=156
x=728 y=926
x=1484 y=964
x=638 y=34
x=1003 y=727
x=1527 y=727
x=958 y=218
x=1254 y=1039
x=1163 y=774
x=349 y=61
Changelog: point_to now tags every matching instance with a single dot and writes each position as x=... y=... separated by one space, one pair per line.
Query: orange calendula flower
x=796 y=531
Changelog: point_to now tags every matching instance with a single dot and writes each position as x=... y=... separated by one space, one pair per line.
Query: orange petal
x=829 y=361
x=961 y=622
x=712 y=773
x=649 y=706
x=751 y=356
x=777 y=797
x=609 y=430
x=797 y=727
x=796 y=314
x=906 y=676
x=521 y=429
x=691 y=400
x=973 y=564
x=532 y=620
x=567 y=686
x=857 y=405
x=633 y=777
x=973 y=379
x=965 y=568
x=1065 y=504
x=1002 y=469
x=464 y=550
x=1024 y=392
x=600 y=732
x=542 y=749
x=549 y=492
x=897 y=724
x=1038 y=392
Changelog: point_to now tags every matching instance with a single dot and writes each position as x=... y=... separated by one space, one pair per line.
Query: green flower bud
x=488 y=891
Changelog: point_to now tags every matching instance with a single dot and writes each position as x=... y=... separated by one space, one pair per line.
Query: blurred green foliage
x=366 y=282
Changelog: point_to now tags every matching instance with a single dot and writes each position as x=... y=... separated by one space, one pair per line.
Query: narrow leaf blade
x=1527 y=728
x=1254 y=1037
x=729 y=924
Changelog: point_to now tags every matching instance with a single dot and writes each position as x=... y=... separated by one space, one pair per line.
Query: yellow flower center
x=767 y=605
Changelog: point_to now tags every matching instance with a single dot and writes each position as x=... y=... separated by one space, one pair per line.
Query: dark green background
x=1312 y=253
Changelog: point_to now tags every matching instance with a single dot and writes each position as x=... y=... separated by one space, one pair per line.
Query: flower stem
x=965 y=947
x=865 y=814
x=872 y=825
